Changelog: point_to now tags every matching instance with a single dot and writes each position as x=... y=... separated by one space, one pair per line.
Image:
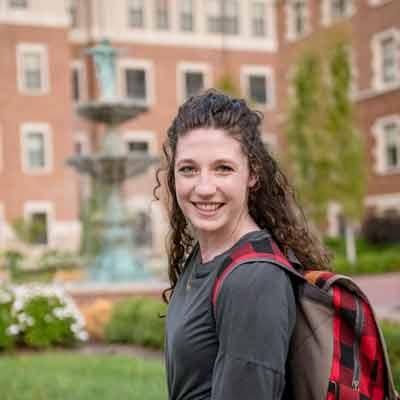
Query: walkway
x=384 y=293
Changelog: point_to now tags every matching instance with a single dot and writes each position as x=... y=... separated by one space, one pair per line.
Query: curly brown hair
x=272 y=203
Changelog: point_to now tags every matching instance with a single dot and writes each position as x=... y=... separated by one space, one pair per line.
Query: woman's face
x=212 y=180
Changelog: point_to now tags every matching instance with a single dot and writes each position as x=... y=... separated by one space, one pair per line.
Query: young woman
x=225 y=189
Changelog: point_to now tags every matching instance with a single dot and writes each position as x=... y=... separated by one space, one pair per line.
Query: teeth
x=207 y=206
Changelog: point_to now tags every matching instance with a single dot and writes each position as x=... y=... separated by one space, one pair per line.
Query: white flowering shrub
x=42 y=316
x=8 y=325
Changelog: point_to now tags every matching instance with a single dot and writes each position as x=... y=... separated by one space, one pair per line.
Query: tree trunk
x=351 y=251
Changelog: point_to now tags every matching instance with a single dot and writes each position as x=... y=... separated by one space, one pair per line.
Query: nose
x=205 y=186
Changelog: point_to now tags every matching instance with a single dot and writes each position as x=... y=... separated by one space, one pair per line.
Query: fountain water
x=111 y=166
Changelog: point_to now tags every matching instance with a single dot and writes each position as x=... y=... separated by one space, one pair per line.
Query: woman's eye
x=224 y=168
x=186 y=170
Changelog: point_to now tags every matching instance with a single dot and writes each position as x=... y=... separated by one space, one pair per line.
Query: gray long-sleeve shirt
x=241 y=354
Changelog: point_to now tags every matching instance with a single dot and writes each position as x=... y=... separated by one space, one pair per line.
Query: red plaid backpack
x=337 y=351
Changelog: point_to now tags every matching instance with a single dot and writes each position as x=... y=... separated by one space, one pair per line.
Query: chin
x=208 y=227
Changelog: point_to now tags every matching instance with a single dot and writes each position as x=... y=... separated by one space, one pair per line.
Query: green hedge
x=137 y=321
x=391 y=331
x=371 y=259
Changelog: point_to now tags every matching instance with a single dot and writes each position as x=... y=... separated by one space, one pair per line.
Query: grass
x=72 y=376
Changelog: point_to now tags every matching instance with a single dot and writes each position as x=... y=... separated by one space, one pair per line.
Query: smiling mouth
x=208 y=207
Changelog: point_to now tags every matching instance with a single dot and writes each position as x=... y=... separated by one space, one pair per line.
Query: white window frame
x=45 y=129
x=40 y=49
x=185 y=67
x=45 y=207
x=148 y=67
x=248 y=70
x=291 y=34
x=327 y=17
x=377 y=75
x=142 y=136
x=379 y=150
x=79 y=66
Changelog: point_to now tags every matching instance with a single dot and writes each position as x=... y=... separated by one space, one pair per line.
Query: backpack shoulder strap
x=258 y=250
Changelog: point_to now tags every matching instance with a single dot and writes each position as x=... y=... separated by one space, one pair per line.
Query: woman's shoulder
x=256 y=275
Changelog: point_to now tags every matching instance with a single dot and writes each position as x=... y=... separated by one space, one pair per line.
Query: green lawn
x=72 y=376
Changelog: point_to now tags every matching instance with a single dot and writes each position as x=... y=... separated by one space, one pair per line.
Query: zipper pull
x=355 y=385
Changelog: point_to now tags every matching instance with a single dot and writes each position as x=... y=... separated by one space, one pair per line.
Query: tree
x=325 y=148
x=227 y=85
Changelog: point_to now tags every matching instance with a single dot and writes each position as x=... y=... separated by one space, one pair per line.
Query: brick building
x=171 y=49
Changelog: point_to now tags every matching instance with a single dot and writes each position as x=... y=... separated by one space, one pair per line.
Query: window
x=186 y=16
x=223 y=16
x=389 y=52
x=257 y=84
x=38 y=223
x=32 y=72
x=194 y=83
x=340 y=8
x=32 y=65
x=386 y=48
x=35 y=150
x=392 y=145
x=258 y=24
x=336 y=9
x=136 y=13
x=162 y=15
x=193 y=78
x=136 y=80
x=386 y=131
x=138 y=147
x=19 y=4
x=298 y=18
x=258 y=89
x=35 y=147
x=140 y=143
x=40 y=215
x=136 y=84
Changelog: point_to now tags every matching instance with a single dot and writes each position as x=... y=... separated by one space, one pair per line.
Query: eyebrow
x=218 y=161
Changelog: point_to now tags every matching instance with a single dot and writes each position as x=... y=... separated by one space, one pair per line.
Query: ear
x=253 y=179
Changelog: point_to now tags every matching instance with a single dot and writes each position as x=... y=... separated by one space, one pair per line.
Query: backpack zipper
x=358 y=331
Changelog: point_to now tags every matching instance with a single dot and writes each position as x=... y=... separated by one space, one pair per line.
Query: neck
x=213 y=244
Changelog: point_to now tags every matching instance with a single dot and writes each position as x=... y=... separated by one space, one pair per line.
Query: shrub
x=384 y=229
x=96 y=317
x=8 y=323
x=370 y=263
x=137 y=321
x=391 y=331
x=40 y=317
